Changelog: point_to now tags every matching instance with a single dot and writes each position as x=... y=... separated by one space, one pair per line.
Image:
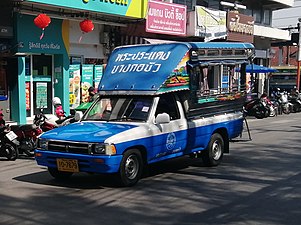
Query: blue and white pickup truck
x=155 y=102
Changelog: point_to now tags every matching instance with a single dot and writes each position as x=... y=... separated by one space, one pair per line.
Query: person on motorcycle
x=60 y=113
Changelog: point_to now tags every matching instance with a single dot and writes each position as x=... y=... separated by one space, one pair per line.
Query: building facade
x=63 y=59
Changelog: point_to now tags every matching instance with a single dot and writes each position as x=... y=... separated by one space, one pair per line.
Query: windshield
x=120 y=108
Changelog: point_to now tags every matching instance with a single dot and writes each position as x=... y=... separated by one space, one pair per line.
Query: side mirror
x=78 y=115
x=162 y=118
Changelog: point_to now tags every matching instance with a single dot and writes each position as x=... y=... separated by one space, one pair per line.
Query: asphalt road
x=259 y=182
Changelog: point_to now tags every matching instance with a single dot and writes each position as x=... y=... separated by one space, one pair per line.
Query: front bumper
x=86 y=163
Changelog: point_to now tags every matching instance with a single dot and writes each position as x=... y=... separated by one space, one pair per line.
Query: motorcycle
x=8 y=143
x=295 y=100
x=260 y=107
x=256 y=108
x=27 y=136
x=285 y=106
x=50 y=122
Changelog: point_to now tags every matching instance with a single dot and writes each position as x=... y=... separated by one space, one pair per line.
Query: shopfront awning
x=254 y=68
x=157 y=41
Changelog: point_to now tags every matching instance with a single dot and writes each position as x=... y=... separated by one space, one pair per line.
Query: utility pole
x=299 y=57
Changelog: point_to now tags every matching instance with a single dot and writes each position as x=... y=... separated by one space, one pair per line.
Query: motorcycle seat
x=24 y=127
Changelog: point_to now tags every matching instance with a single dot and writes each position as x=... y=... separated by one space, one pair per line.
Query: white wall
x=86 y=44
x=285 y=18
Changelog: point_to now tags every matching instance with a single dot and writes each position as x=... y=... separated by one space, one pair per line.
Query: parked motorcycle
x=50 y=122
x=285 y=106
x=256 y=108
x=8 y=143
x=45 y=123
x=272 y=105
x=27 y=136
x=260 y=107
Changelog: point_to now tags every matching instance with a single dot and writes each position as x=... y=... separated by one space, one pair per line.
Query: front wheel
x=59 y=175
x=11 y=152
x=131 y=168
x=30 y=147
x=213 y=154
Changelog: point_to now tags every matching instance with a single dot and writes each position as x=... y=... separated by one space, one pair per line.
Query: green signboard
x=98 y=71
x=41 y=93
x=74 y=85
x=87 y=81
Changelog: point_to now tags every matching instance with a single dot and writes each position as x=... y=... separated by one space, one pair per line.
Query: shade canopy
x=254 y=68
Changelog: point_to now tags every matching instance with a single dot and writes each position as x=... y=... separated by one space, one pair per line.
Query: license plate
x=67 y=165
x=11 y=135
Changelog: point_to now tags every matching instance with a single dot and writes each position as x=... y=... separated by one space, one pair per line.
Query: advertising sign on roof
x=142 y=67
x=166 y=18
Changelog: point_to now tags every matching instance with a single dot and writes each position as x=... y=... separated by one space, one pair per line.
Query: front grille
x=72 y=147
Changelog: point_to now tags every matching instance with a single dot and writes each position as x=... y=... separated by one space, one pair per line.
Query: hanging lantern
x=86 y=26
x=42 y=21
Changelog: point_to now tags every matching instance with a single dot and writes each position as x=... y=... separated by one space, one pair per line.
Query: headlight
x=104 y=149
x=42 y=144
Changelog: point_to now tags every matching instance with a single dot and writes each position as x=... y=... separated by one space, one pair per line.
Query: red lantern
x=42 y=21
x=86 y=26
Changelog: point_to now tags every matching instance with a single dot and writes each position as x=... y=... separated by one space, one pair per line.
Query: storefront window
x=267 y=17
x=3 y=86
x=27 y=66
x=257 y=16
x=42 y=65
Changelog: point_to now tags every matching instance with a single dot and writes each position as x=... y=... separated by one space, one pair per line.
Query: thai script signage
x=129 y=67
x=150 y=66
x=240 y=27
x=166 y=18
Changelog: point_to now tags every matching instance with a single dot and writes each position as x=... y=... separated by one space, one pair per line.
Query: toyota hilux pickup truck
x=155 y=102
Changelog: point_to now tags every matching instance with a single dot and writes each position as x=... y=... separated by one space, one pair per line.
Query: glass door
x=42 y=71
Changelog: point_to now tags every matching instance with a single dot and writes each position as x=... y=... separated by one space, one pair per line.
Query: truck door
x=172 y=138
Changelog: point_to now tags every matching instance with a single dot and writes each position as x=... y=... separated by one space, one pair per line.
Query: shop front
x=41 y=70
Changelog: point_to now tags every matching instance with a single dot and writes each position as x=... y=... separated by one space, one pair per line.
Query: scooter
x=27 y=136
x=8 y=143
x=285 y=106
x=45 y=123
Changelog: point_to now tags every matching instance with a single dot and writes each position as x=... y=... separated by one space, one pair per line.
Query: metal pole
x=299 y=58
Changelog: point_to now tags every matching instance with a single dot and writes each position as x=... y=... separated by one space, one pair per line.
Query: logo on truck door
x=171 y=141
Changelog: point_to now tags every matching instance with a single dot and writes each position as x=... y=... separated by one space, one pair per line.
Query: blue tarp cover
x=253 y=68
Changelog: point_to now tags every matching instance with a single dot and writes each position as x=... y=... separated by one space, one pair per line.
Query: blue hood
x=86 y=131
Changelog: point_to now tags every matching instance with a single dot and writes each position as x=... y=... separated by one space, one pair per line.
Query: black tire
x=214 y=152
x=31 y=147
x=11 y=152
x=131 y=168
x=59 y=175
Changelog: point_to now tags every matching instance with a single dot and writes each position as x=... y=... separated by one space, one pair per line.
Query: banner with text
x=166 y=18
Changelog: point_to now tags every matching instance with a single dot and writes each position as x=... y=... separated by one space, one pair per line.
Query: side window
x=168 y=104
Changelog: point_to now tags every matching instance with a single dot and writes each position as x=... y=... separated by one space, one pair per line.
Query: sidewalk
x=29 y=120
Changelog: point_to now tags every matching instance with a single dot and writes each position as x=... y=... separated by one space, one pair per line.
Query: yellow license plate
x=67 y=165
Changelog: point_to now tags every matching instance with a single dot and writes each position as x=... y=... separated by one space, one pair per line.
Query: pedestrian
x=92 y=92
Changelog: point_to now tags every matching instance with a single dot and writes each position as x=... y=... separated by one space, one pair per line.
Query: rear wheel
x=59 y=175
x=131 y=168
x=213 y=155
